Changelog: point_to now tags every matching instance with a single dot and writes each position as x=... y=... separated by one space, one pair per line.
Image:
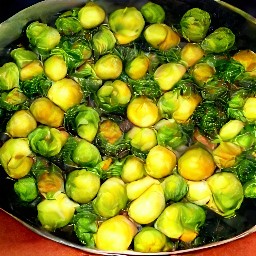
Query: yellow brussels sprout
x=31 y=70
x=202 y=73
x=161 y=36
x=56 y=212
x=247 y=58
x=196 y=164
x=115 y=234
x=249 y=109
x=168 y=74
x=160 y=162
x=133 y=169
x=142 y=111
x=65 y=93
x=82 y=186
x=91 y=15
x=136 y=188
x=46 y=112
x=147 y=207
x=55 y=67
x=138 y=67
x=150 y=240
x=231 y=129
x=108 y=67
x=126 y=24
x=16 y=157
x=21 y=124
x=191 y=53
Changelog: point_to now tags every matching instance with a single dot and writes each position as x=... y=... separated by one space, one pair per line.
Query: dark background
x=10 y=7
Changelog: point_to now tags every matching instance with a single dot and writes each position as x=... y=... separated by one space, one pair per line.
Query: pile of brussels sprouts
x=128 y=129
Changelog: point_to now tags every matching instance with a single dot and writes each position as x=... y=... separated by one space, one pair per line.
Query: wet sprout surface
x=124 y=131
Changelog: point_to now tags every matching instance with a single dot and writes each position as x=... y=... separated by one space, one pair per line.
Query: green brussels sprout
x=13 y=100
x=65 y=93
x=86 y=154
x=160 y=162
x=115 y=234
x=26 y=189
x=161 y=36
x=46 y=112
x=16 y=157
x=231 y=129
x=196 y=164
x=111 y=198
x=113 y=96
x=227 y=192
x=181 y=221
x=142 y=111
x=23 y=57
x=91 y=15
x=43 y=37
x=126 y=24
x=195 y=24
x=55 y=68
x=249 y=188
x=220 y=40
x=153 y=13
x=148 y=206
x=21 y=124
x=136 y=188
x=82 y=120
x=56 y=212
x=103 y=40
x=9 y=76
x=47 y=141
x=133 y=169
x=150 y=240
x=82 y=185
x=175 y=187
x=33 y=69
x=109 y=66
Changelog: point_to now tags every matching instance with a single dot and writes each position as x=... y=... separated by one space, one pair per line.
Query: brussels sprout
x=202 y=73
x=153 y=13
x=46 y=112
x=113 y=96
x=13 y=100
x=133 y=169
x=150 y=240
x=231 y=129
x=195 y=24
x=115 y=234
x=82 y=120
x=31 y=70
x=21 y=124
x=65 y=93
x=175 y=187
x=91 y=15
x=136 y=188
x=26 y=189
x=148 y=206
x=142 y=111
x=227 y=193
x=111 y=198
x=47 y=141
x=108 y=67
x=249 y=109
x=55 y=68
x=23 y=57
x=161 y=36
x=160 y=162
x=43 y=37
x=126 y=24
x=86 y=154
x=82 y=186
x=137 y=67
x=220 y=40
x=56 y=213
x=168 y=74
x=16 y=157
x=250 y=189
x=196 y=164
x=247 y=58
x=199 y=192
x=9 y=76
x=142 y=139
x=181 y=221
x=103 y=41
x=191 y=53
